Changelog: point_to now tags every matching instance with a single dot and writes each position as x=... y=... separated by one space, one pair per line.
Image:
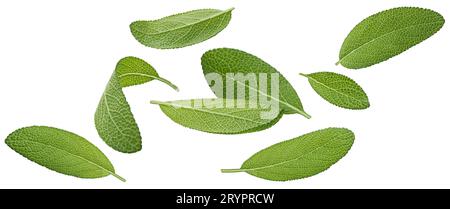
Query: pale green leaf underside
x=339 y=90
x=300 y=157
x=387 y=34
x=224 y=61
x=114 y=120
x=61 y=151
x=181 y=30
x=206 y=115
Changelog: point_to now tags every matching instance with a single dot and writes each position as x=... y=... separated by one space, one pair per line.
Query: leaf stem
x=338 y=63
x=157 y=102
x=168 y=83
x=304 y=75
x=231 y=170
x=119 y=177
x=304 y=114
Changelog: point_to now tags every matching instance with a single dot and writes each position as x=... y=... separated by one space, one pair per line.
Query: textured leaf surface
x=387 y=34
x=300 y=157
x=61 y=151
x=338 y=90
x=223 y=61
x=211 y=118
x=181 y=30
x=113 y=119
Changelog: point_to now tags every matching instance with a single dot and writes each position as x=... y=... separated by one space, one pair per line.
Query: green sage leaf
x=300 y=157
x=113 y=119
x=220 y=116
x=181 y=30
x=224 y=62
x=387 y=34
x=338 y=90
x=61 y=151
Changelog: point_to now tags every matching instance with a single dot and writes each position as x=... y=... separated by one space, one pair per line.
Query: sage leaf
x=219 y=116
x=300 y=157
x=113 y=119
x=61 y=151
x=387 y=34
x=338 y=90
x=181 y=30
x=225 y=62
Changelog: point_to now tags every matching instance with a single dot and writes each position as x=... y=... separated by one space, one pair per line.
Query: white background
x=57 y=57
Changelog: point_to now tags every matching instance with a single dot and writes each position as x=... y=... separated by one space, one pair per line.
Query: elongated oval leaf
x=61 y=151
x=181 y=30
x=229 y=64
x=338 y=90
x=219 y=116
x=113 y=119
x=387 y=34
x=300 y=157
